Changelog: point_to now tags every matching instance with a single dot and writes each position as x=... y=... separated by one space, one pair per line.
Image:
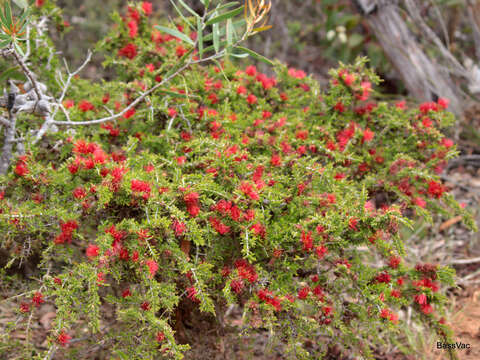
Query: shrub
x=230 y=187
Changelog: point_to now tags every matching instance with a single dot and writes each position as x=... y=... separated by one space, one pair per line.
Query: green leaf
x=4 y=43
x=172 y=93
x=222 y=7
x=181 y=15
x=241 y=56
x=8 y=14
x=18 y=48
x=190 y=10
x=255 y=55
x=176 y=33
x=200 y=37
x=228 y=15
x=216 y=37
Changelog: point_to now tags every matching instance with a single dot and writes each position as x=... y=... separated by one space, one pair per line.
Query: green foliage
x=228 y=187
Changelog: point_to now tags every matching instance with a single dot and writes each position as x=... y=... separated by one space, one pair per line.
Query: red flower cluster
x=21 y=168
x=85 y=106
x=220 y=227
x=92 y=251
x=191 y=200
x=249 y=190
x=192 y=294
x=63 y=338
x=129 y=51
x=179 y=227
x=268 y=297
x=387 y=314
x=67 y=229
x=37 y=299
x=152 y=267
x=142 y=187
x=246 y=271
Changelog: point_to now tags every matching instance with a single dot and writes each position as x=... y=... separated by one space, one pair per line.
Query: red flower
x=141 y=186
x=179 y=227
x=421 y=299
x=145 y=306
x=79 y=193
x=258 y=229
x=220 y=227
x=63 y=338
x=24 y=307
x=307 y=240
x=147 y=7
x=251 y=99
x=85 y=106
x=368 y=135
x=160 y=336
x=129 y=51
x=251 y=70
x=237 y=286
x=192 y=294
x=133 y=28
x=303 y=292
x=92 y=251
x=435 y=189
x=39 y=3
x=152 y=267
x=394 y=261
x=248 y=190
x=21 y=169
x=321 y=251
x=37 y=299
x=126 y=293
x=383 y=277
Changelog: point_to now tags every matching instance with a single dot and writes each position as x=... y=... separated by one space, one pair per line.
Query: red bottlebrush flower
x=24 y=307
x=145 y=306
x=100 y=278
x=63 y=338
x=92 y=251
x=160 y=336
x=251 y=99
x=220 y=227
x=251 y=70
x=237 y=286
x=192 y=294
x=140 y=186
x=39 y=3
x=79 y=193
x=352 y=224
x=133 y=13
x=106 y=98
x=394 y=261
x=420 y=299
x=427 y=122
x=307 y=240
x=225 y=271
x=321 y=251
x=339 y=176
x=152 y=267
x=368 y=135
x=383 y=277
x=258 y=229
x=129 y=113
x=420 y=202
x=241 y=90
x=276 y=160
x=315 y=278
x=126 y=293
x=248 y=190
x=448 y=143
x=179 y=228
x=129 y=51
x=191 y=198
x=57 y=281
x=132 y=28
x=68 y=104
x=427 y=309
x=37 y=299
x=395 y=293
x=443 y=103
x=85 y=106
x=303 y=292
x=21 y=169
x=435 y=189
x=180 y=51
x=339 y=107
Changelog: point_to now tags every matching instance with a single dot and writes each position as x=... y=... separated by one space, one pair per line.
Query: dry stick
x=30 y=76
x=465 y=261
x=49 y=119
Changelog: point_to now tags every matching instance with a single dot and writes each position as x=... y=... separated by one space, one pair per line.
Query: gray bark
x=422 y=76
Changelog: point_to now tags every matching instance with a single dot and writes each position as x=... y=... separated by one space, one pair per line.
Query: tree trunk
x=421 y=75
